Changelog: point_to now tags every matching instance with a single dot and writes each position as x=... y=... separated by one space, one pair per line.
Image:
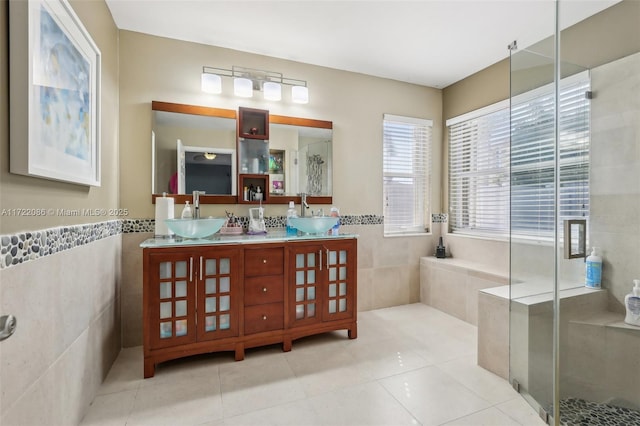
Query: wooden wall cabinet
x=253 y=123
x=200 y=299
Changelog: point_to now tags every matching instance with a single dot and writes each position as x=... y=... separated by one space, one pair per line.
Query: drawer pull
x=264 y=289
x=264 y=260
x=264 y=317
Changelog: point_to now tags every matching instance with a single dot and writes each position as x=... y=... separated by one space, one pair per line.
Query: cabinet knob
x=264 y=317
x=264 y=260
x=264 y=289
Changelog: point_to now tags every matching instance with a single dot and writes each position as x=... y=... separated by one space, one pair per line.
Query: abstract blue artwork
x=64 y=92
x=55 y=93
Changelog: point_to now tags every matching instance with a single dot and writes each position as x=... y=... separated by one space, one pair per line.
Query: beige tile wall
x=68 y=335
x=615 y=173
x=388 y=273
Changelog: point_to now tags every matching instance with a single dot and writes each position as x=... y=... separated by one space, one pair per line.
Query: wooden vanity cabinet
x=263 y=289
x=191 y=299
x=322 y=287
x=199 y=299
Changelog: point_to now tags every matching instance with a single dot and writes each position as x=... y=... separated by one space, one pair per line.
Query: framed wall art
x=54 y=79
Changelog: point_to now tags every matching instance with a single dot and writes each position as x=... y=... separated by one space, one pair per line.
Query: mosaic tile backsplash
x=22 y=247
x=19 y=248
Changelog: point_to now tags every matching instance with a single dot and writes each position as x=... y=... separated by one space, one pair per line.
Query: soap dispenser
x=186 y=211
x=593 y=274
x=441 y=250
x=291 y=212
x=632 y=304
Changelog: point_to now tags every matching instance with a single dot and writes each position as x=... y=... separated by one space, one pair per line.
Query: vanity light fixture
x=300 y=94
x=242 y=87
x=248 y=80
x=272 y=91
x=211 y=83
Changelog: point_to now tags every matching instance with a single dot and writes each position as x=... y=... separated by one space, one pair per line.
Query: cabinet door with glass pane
x=340 y=285
x=170 y=300
x=305 y=284
x=217 y=300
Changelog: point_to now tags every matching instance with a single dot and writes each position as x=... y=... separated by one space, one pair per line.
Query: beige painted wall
x=155 y=68
x=17 y=191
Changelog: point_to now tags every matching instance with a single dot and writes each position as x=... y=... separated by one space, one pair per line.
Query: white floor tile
x=110 y=409
x=518 y=409
x=297 y=413
x=489 y=417
x=410 y=365
x=432 y=396
x=480 y=381
x=263 y=380
x=187 y=402
x=364 y=404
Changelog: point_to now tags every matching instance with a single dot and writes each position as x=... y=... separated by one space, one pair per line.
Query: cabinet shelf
x=253 y=123
x=253 y=181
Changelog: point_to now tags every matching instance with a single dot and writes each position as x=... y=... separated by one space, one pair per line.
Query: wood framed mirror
x=206 y=138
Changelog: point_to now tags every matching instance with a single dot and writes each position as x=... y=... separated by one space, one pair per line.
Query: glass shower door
x=532 y=227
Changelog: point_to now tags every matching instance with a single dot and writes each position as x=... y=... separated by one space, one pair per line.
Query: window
x=406 y=174
x=493 y=179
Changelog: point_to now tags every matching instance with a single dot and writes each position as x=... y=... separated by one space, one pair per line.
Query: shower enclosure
x=575 y=165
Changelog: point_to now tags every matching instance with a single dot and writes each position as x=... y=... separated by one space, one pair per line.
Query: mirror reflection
x=195 y=149
x=186 y=147
x=300 y=160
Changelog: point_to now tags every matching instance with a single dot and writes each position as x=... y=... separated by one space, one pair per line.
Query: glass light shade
x=243 y=87
x=211 y=83
x=300 y=94
x=272 y=91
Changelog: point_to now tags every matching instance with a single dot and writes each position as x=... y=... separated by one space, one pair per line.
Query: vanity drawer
x=261 y=290
x=259 y=262
x=263 y=318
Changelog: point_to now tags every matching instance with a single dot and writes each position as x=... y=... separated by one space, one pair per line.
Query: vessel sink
x=195 y=228
x=314 y=224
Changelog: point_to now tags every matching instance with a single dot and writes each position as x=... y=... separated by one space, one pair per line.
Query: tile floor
x=410 y=365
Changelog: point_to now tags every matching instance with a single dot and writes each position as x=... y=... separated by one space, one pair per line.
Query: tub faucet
x=196 y=203
x=303 y=204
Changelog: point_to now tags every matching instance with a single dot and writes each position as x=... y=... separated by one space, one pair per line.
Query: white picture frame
x=54 y=76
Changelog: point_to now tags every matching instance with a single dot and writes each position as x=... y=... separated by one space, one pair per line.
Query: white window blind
x=479 y=174
x=406 y=174
x=492 y=180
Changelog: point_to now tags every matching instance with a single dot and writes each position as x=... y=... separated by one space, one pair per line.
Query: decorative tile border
x=439 y=218
x=148 y=225
x=24 y=246
x=19 y=248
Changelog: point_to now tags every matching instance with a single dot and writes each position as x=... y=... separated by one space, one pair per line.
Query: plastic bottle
x=291 y=230
x=186 y=211
x=593 y=269
x=632 y=304
x=334 y=212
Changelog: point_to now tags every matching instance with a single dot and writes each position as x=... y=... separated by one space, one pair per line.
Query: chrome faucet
x=303 y=204
x=196 y=203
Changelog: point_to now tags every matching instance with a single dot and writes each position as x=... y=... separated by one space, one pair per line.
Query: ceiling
x=430 y=42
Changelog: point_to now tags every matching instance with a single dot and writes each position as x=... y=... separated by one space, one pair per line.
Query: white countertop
x=275 y=236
